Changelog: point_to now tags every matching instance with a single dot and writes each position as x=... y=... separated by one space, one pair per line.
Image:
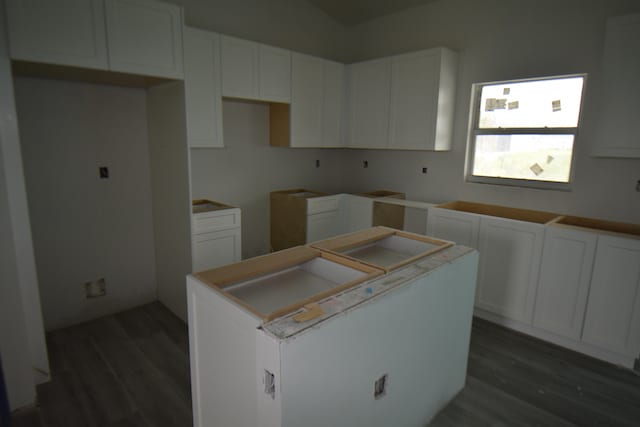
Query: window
x=523 y=131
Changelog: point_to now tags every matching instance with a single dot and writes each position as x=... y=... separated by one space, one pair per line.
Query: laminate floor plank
x=131 y=369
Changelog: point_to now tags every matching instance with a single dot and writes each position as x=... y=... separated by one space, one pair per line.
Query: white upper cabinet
x=612 y=319
x=422 y=100
x=369 y=94
x=254 y=71
x=565 y=275
x=307 y=95
x=145 y=37
x=317 y=98
x=333 y=105
x=274 y=74
x=64 y=33
x=404 y=102
x=202 y=83
x=131 y=36
x=616 y=134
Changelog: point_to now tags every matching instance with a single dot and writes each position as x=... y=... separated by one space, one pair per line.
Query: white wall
x=248 y=169
x=498 y=40
x=290 y=24
x=84 y=227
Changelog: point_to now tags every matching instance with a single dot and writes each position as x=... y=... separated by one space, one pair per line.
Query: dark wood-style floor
x=132 y=369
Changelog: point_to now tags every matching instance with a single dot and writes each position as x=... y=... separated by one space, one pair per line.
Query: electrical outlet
x=380 y=387
x=638 y=186
x=103 y=171
x=424 y=170
x=317 y=163
x=365 y=164
x=96 y=288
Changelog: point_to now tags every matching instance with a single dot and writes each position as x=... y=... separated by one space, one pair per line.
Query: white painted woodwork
x=565 y=275
x=71 y=32
x=459 y=227
x=616 y=134
x=612 y=319
x=369 y=95
x=323 y=225
x=202 y=85
x=145 y=37
x=217 y=248
x=509 y=267
x=307 y=101
x=240 y=64
x=338 y=360
x=333 y=105
x=422 y=100
x=317 y=98
x=358 y=212
x=216 y=238
x=274 y=74
x=323 y=204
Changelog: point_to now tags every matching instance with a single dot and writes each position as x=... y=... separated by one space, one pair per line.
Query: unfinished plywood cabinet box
x=298 y=365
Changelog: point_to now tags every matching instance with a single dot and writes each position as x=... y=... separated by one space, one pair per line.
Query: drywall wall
x=499 y=40
x=84 y=227
x=22 y=343
x=248 y=169
x=290 y=24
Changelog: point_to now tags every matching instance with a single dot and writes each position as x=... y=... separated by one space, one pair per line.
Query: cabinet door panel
x=358 y=212
x=612 y=320
x=215 y=249
x=203 y=96
x=65 y=33
x=414 y=100
x=333 y=105
x=369 y=103
x=509 y=267
x=323 y=225
x=145 y=37
x=565 y=274
x=306 y=101
x=239 y=68
x=275 y=74
x=461 y=228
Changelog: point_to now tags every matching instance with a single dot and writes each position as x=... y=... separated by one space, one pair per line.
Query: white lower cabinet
x=612 y=318
x=460 y=227
x=216 y=236
x=324 y=225
x=358 y=212
x=511 y=252
x=565 y=275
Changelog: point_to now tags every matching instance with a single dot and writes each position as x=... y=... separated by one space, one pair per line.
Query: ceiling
x=353 y=12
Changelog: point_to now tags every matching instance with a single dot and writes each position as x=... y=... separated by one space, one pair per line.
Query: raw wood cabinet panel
x=369 y=92
x=617 y=135
x=612 y=319
x=565 y=275
x=145 y=37
x=203 y=97
x=64 y=33
x=422 y=100
x=509 y=266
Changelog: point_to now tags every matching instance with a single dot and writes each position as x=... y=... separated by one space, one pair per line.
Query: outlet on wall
x=96 y=288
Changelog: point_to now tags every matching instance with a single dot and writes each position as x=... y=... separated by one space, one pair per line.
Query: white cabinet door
x=422 y=100
x=274 y=74
x=70 y=32
x=145 y=37
x=239 y=68
x=565 y=274
x=459 y=227
x=612 y=319
x=358 y=212
x=307 y=98
x=509 y=266
x=215 y=249
x=323 y=225
x=203 y=97
x=617 y=135
x=333 y=106
x=369 y=89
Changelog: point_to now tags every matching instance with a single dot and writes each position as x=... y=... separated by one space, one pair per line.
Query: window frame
x=475 y=130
